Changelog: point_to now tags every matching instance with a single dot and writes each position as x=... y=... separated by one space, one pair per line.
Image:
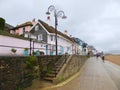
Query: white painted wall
x=61 y=41
x=15 y=42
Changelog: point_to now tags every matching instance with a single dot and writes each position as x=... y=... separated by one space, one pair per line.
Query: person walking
x=103 y=57
x=97 y=55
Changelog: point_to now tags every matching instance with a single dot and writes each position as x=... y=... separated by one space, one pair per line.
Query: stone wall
x=14 y=74
x=72 y=66
x=17 y=73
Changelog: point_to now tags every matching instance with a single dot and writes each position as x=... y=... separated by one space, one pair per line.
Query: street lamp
x=56 y=15
x=30 y=46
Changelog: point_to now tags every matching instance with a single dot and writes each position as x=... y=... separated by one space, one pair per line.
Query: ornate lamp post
x=56 y=15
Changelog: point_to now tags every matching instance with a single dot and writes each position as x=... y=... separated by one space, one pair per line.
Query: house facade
x=42 y=32
x=82 y=46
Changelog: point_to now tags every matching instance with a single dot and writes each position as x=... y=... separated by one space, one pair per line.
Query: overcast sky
x=96 y=22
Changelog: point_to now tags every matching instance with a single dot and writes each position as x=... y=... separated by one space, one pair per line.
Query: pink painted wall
x=19 y=31
x=10 y=41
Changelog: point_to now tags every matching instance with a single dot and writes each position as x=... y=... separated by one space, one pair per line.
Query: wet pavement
x=97 y=75
x=114 y=72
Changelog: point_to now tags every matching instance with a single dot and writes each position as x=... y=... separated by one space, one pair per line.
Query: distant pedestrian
x=97 y=55
x=103 y=58
x=88 y=54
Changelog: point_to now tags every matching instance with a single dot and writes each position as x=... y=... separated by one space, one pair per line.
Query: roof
x=50 y=29
x=79 y=41
x=8 y=25
x=23 y=25
x=92 y=47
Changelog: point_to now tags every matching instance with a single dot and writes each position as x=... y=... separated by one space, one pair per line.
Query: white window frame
x=40 y=37
x=52 y=37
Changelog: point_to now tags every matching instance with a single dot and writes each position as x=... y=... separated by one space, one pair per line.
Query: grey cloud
x=95 y=21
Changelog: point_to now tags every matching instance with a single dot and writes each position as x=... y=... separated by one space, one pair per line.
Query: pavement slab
x=95 y=75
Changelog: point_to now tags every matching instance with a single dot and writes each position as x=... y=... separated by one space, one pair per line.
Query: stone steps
x=50 y=79
x=52 y=74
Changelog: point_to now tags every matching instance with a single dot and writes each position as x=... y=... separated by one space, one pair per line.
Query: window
x=68 y=48
x=32 y=36
x=52 y=37
x=61 y=48
x=24 y=30
x=26 y=35
x=53 y=47
x=36 y=28
x=12 y=32
x=40 y=37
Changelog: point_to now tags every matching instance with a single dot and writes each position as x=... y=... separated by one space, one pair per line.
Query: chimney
x=71 y=36
x=33 y=21
x=65 y=32
x=48 y=20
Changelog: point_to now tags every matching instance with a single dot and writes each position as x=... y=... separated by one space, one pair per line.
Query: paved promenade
x=97 y=75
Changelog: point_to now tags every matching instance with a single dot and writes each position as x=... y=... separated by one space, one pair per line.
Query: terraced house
x=44 y=34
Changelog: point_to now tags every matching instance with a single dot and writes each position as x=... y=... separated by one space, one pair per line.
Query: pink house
x=21 y=29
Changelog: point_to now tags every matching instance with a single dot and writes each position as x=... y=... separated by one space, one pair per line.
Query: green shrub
x=41 y=53
x=5 y=33
x=26 y=49
x=13 y=50
x=2 y=23
x=31 y=62
x=33 y=53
